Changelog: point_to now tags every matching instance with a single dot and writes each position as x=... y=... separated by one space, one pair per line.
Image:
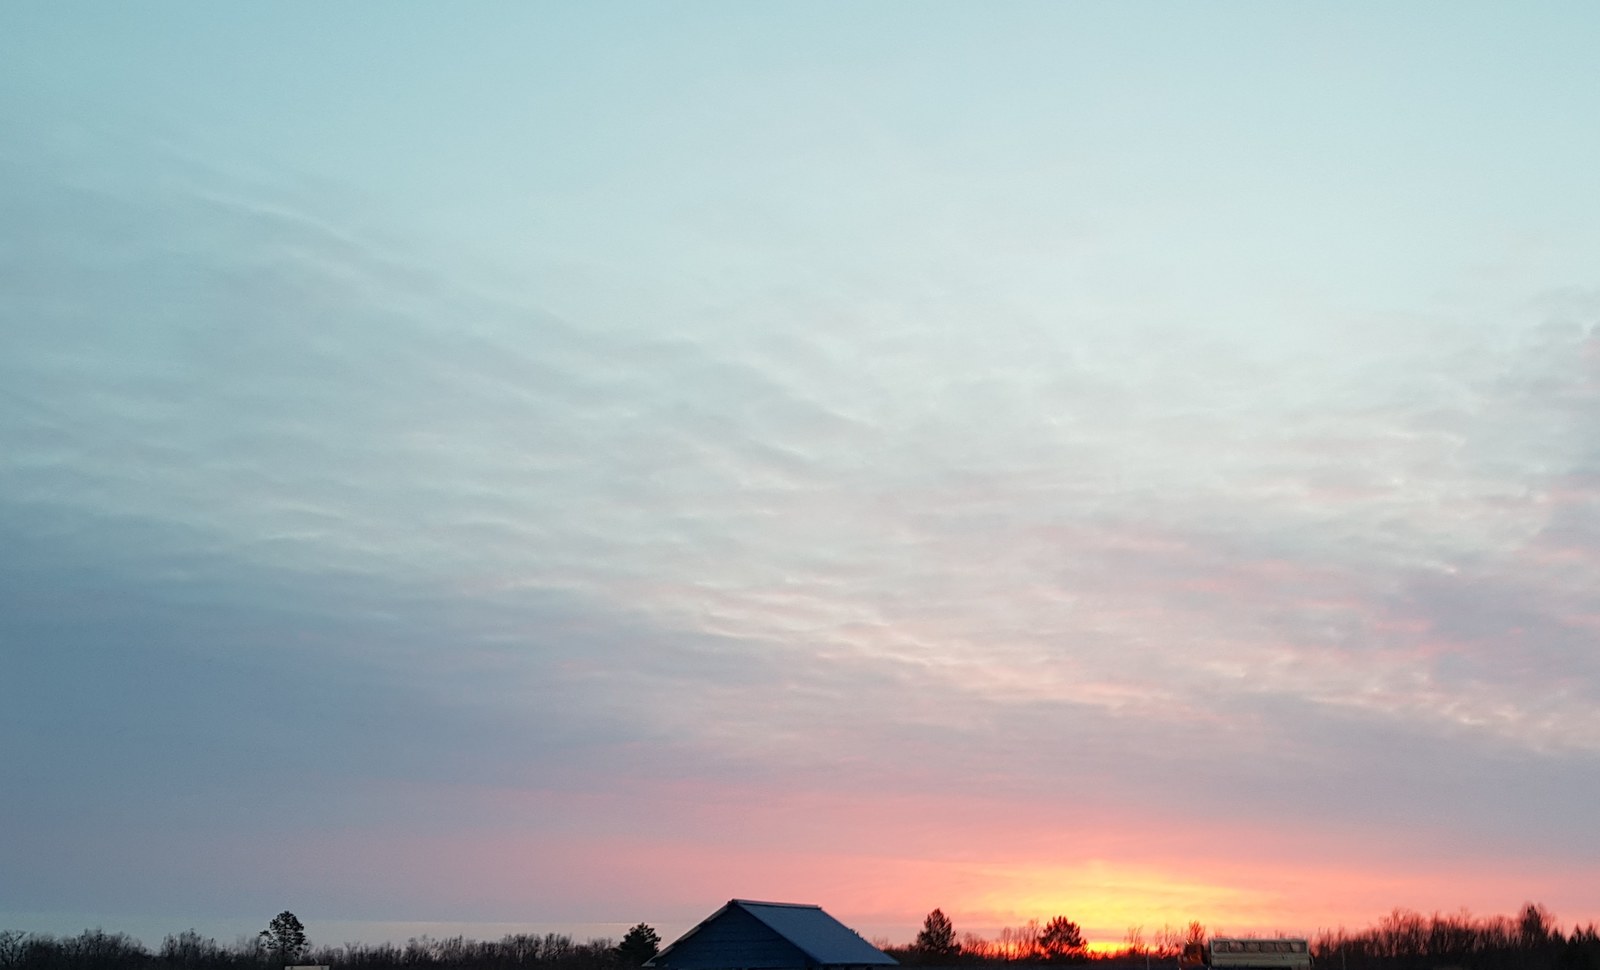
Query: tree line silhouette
x=1059 y=940
x=1407 y=940
x=1403 y=940
x=284 y=943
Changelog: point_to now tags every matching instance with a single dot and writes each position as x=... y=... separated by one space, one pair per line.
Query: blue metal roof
x=820 y=936
x=810 y=937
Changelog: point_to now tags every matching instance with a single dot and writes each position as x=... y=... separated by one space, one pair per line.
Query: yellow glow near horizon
x=1107 y=899
x=1106 y=947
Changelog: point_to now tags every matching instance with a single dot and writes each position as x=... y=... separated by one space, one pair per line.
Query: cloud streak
x=320 y=537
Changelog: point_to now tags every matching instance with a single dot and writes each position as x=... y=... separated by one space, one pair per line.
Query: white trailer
x=1248 y=953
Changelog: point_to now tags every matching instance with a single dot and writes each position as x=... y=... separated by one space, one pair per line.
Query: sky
x=481 y=467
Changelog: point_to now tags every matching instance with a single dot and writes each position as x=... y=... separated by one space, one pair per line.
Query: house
x=747 y=935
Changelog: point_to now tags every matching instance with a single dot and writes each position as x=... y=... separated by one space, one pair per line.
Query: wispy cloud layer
x=342 y=560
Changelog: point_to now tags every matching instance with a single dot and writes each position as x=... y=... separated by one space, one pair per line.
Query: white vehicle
x=1251 y=953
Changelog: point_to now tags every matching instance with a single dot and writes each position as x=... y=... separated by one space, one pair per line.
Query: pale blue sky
x=473 y=445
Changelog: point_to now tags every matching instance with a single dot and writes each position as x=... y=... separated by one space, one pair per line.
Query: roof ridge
x=807 y=930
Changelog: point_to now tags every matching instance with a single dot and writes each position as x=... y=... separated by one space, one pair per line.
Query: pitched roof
x=823 y=940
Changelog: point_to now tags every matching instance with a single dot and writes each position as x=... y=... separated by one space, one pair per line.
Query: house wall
x=735 y=940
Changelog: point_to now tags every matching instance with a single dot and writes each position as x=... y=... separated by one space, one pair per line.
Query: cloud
x=318 y=536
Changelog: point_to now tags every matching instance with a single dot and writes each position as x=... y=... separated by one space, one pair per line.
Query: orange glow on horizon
x=1102 y=948
x=1006 y=867
x=1107 y=899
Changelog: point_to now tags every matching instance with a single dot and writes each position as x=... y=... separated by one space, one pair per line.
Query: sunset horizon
x=574 y=464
